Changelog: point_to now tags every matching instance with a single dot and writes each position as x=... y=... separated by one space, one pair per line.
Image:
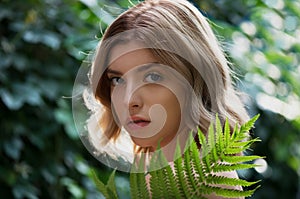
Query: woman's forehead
x=122 y=49
x=123 y=57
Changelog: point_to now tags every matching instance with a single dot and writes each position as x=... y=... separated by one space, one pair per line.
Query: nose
x=133 y=99
x=135 y=103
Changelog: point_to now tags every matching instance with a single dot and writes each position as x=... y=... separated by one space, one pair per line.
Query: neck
x=169 y=147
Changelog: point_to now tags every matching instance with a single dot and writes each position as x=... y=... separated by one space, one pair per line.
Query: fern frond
x=197 y=173
x=244 y=144
x=197 y=164
x=137 y=178
x=239 y=159
x=212 y=143
x=222 y=180
x=229 y=193
x=219 y=136
x=233 y=150
x=109 y=190
x=226 y=133
x=172 y=186
x=154 y=185
x=235 y=133
x=188 y=169
x=179 y=174
x=133 y=186
x=165 y=183
x=203 y=142
x=157 y=185
x=141 y=179
x=221 y=167
x=111 y=186
x=248 y=125
x=100 y=185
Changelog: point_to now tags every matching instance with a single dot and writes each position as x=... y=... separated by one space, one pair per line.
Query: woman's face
x=145 y=96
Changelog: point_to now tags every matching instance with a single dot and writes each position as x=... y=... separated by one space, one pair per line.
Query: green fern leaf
x=109 y=191
x=138 y=183
x=221 y=167
x=100 y=185
x=235 y=133
x=188 y=170
x=195 y=173
x=134 y=192
x=248 y=125
x=111 y=186
x=207 y=163
x=160 y=190
x=222 y=180
x=157 y=186
x=173 y=187
x=197 y=165
x=143 y=186
x=226 y=133
x=211 y=137
x=239 y=159
x=219 y=135
x=165 y=180
x=166 y=189
x=238 y=147
x=180 y=177
x=233 y=151
x=229 y=193
x=203 y=142
x=244 y=144
x=141 y=180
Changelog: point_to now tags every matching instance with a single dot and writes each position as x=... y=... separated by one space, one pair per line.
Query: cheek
x=117 y=106
x=172 y=107
x=174 y=112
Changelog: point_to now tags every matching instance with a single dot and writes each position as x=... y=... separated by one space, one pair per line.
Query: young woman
x=158 y=73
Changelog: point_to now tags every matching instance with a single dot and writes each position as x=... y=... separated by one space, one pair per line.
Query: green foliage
x=41 y=155
x=42 y=44
x=197 y=173
x=262 y=39
x=109 y=190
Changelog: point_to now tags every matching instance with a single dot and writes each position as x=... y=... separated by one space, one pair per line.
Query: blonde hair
x=200 y=60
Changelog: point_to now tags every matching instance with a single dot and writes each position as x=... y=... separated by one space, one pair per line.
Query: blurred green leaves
x=42 y=44
x=64 y=116
x=40 y=53
x=264 y=47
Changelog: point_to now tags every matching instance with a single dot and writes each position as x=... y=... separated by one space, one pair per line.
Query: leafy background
x=42 y=45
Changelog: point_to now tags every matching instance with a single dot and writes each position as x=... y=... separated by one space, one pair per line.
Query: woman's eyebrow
x=142 y=68
x=114 y=72
x=147 y=66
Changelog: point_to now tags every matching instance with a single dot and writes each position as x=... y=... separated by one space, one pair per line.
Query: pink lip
x=136 y=122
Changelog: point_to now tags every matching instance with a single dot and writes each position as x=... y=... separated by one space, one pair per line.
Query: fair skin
x=142 y=95
x=145 y=100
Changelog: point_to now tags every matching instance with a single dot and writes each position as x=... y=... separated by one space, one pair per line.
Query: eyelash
x=114 y=80
x=153 y=74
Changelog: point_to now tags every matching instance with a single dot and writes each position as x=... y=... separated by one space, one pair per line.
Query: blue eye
x=115 y=81
x=153 y=77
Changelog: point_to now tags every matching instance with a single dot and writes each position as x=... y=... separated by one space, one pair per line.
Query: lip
x=137 y=122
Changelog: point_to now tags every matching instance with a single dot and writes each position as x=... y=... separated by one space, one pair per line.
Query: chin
x=142 y=142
